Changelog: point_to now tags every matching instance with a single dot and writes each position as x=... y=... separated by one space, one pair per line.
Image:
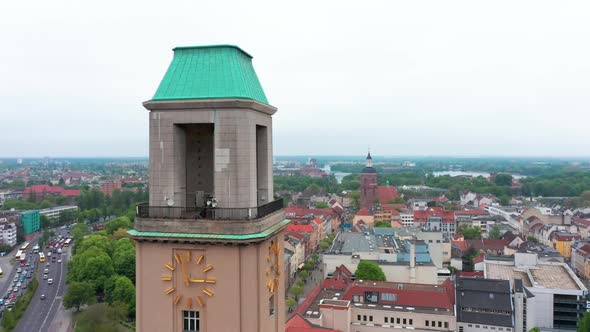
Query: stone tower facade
x=209 y=241
x=368 y=184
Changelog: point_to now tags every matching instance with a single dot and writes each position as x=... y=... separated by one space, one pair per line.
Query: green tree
x=296 y=291
x=536 y=329
x=124 y=293
x=383 y=224
x=495 y=233
x=369 y=271
x=44 y=221
x=124 y=258
x=101 y=317
x=79 y=231
x=291 y=303
x=470 y=232
x=324 y=244
x=115 y=224
x=584 y=323
x=321 y=205
x=95 y=240
x=93 y=266
x=304 y=275
x=503 y=180
x=78 y=294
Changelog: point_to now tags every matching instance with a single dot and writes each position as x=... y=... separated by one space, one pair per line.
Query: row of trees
x=103 y=267
x=297 y=289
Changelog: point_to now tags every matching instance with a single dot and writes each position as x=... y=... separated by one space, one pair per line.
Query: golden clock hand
x=183 y=265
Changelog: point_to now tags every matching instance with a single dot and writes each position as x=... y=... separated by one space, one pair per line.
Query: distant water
x=472 y=174
x=338 y=175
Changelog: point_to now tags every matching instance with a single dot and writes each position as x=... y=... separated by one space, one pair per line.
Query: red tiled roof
x=462 y=245
x=45 y=189
x=446 y=215
x=566 y=237
x=386 y=193
x=478 y=259
x=318 y=221
x=299 y=324
x=363 y=212
x=300 y=228
x=582 y=221
x=415 y=295
x=486 y=244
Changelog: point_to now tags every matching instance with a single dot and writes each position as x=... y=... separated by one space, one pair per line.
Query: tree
x=495 y=233
x=115 y=224
x=93 y=266
x=124 y=293
x=124 y=258
x=296 y=291
x=79 y=231
x=536 y=329
x=584 y=323
x=355 y=198
x=304 y=275
x=369 y=271
x=504 y=200
x=325 y=244
x=78 y=294
x=101 y=318
x=95 y=240
x=43 y=221
x=321 y=205
x=503 y=180
x=291 y=303
x=383 y=224
x=470 y=232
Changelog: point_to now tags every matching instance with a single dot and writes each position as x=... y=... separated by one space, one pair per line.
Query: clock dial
x=188 y=278
x=273 y=271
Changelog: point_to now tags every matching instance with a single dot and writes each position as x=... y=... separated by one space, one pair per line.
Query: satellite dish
x=170 y=202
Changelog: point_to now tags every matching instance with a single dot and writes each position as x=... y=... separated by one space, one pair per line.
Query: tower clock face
x=273 y=271
x=187 y=278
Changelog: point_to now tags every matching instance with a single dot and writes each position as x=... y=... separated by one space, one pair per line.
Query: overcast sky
x=503 y=78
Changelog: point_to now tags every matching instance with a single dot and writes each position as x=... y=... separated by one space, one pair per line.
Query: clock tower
x=209 y=241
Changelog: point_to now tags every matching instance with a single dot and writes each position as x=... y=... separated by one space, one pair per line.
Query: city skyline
x=408 y=79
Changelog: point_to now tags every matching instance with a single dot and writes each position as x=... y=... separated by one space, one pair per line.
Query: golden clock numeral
x=177 y=258
x=188 y=256
x=200 y=259
x=197 y=280
x=208 y=268
x=189 y=302
x=201 y=281
x=169 y=290
x=211 y=281
x=169 y=266
x=200 y=301
x=167 y=278
x=208 y=292
x=177 y=299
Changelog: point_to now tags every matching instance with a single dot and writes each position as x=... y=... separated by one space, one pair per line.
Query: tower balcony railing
x=144 y=210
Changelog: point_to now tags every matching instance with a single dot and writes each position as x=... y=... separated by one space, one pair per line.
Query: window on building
x=355 y=298
x=364 y=318
x=372 y=297
x=501 y=328
x=460 y=328
x=385 y=320
x=370 y=318
x=427 y=323
x=271 y=305
x=433 y=323
x=485 y=327
x=446 y=325
x=358 y=317
x=404 y=321
x=439 y=324
x=190 y=321
x=388 y=297
x=411 y=321
x=398 y=320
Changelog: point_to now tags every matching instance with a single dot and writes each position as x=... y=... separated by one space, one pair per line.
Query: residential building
x=407 y=219
x=30 y=220
x=7 y=232
x=55 y=213
x=108 y=186
x=39 y=192
x=484 y=305
x=562 y=242
x=367 y=306
x=370 y=191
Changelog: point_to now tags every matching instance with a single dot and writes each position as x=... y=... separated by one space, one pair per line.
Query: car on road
x=50 y=281
x=59 y=260
x=15 y=290
x=45 y=276
x=10 y=289
x=42 y=297
x=19 y=270
x=29 y=275
x=24 y=286
x=11 y=296
x=18 y=284
x=12 y=284
x=15 y=279
x=46 y=271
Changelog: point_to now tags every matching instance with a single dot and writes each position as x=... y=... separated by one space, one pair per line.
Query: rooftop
x=552 y=276
x=210 y=72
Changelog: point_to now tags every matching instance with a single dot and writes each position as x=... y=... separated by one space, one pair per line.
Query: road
x=41 y=313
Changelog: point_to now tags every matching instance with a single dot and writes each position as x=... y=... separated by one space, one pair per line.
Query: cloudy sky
x=459 y=78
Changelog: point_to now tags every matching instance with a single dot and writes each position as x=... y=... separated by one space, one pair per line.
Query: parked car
x=50 y=281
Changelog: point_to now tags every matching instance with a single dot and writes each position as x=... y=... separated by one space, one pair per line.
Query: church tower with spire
x=368 y=183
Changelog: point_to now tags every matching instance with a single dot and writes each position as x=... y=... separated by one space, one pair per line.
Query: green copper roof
x=269 y=231
x=206 y=72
